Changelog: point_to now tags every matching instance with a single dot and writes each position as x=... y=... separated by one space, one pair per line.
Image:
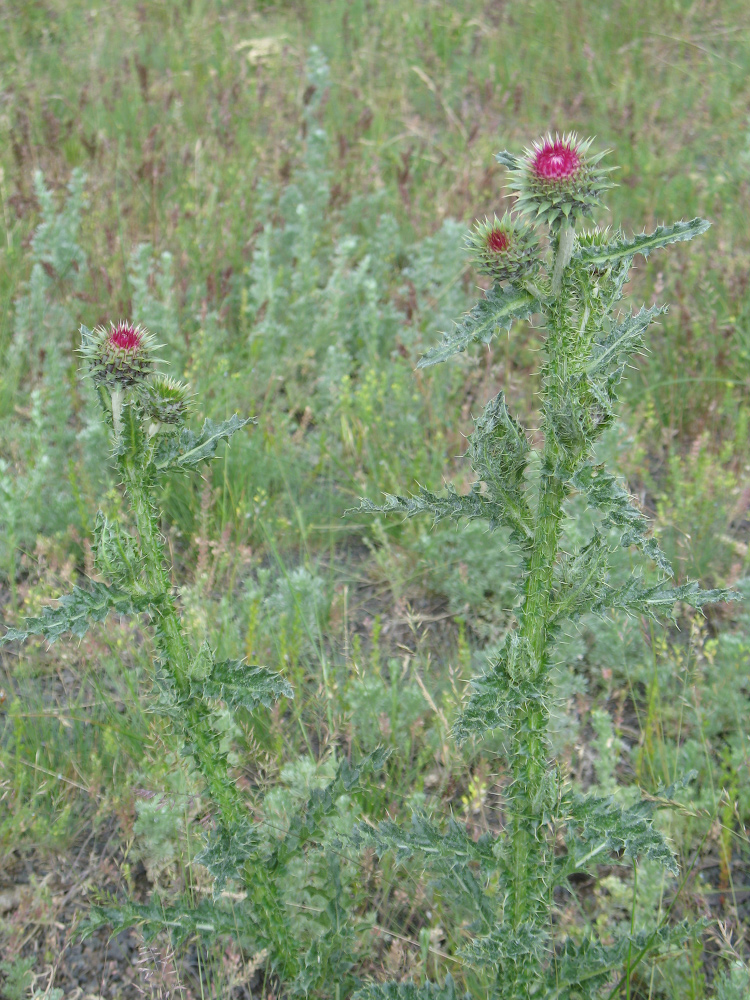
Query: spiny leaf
x=305 y=825
x=610 y=354
x=181 y=919
x=580 y=969
x=603 y=491
x=186 y=449
x=658 y=599
x=643 y=243
x=410 y=991
x=227 y=850
x=77 y=611
x=597 y=827
x=241 y=685
x=116 y=554
x=580 y=580
x=448 y=854
x=497 y=310
x=515 y=951
x=450 y=505
x=499 y=453
x=498 y=695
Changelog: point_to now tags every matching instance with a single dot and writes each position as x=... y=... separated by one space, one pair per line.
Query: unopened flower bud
x=504 y=249
x=165 y=399
x=119 y=357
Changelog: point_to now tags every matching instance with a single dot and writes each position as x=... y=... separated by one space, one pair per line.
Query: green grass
x=195 y=143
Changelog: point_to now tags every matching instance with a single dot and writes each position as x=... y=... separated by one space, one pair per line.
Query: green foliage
x=496 y=311
x=410 y=991
x=78 y=610
x=507 y=882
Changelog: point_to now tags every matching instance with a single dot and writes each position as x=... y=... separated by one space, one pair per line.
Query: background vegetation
x=289 y=221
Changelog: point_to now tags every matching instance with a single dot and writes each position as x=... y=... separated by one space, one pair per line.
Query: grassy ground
x=290 y=223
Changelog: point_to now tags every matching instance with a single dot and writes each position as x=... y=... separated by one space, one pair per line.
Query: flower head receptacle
x=557 y=181
x=166 y=399
x=119 y=357
x=503 y=248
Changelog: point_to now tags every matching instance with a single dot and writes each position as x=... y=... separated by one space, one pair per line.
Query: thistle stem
x=566 y=242
x=197 y=729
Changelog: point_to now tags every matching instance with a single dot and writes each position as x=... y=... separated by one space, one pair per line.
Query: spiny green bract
x=503 y=887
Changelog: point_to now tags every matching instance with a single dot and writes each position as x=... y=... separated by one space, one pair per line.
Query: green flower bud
x=505 y=248
x=165 y=399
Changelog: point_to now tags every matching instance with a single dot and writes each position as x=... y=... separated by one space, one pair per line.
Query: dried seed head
x=166 y=399
x=557 y=180
x=504 y=248
x=119 y=357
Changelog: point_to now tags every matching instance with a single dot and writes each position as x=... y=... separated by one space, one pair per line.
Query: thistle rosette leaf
x=120 y=357
x=557 y=180
x=503 y=248
x=166 y=399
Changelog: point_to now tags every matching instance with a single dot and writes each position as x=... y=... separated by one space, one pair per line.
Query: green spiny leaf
x=305 y=825
x=516 y=952
x=598 y=827
x=508 y=685
x=497 y=311
x=658 y=599
x=116 y=554
x=609 y=354
x=604 y=492
x=181 y=919
x=581 y=969
x=643 y=243
x=228 y=849
x=410 y=991
x=450 y=505
x=186 y=449
x=241 y=685
x=77 y=611
x=451 y=855
x=580 y=582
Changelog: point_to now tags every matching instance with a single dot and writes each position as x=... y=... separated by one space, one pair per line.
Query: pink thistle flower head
x=503 y=248
x=118 y=357
x=556 y=161
x=558 y=180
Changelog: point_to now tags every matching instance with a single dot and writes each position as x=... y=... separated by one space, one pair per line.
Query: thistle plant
x=146 y=413
x=507 y=883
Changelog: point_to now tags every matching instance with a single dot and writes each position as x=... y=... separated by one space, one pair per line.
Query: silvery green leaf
x=496 y=311
x=186 y=450
x=643 y=243
x=77 y=611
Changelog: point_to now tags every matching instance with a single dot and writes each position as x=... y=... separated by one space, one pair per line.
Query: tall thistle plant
x=146 y=414
x=508 y=882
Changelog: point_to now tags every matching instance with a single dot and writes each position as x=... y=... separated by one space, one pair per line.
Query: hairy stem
x=197 y=729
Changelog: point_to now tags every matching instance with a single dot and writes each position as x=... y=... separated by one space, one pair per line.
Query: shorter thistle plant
x=506 y=883
x=146 y=413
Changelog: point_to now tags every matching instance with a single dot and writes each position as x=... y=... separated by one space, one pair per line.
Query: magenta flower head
x=505 y=248
x=119 y=357
x=557 y=180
